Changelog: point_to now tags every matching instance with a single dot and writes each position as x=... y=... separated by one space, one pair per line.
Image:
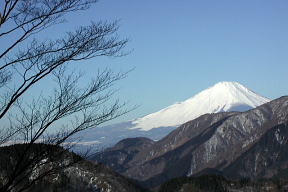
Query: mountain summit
x=222 y=97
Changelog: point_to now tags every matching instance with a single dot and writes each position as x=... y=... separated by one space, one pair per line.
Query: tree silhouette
x=25 y=61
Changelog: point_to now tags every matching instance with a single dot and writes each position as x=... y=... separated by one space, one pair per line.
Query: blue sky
x=182 y=47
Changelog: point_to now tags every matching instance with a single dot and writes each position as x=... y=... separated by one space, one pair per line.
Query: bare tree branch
x=33 y=16
x=39 y=60
x=70 y=106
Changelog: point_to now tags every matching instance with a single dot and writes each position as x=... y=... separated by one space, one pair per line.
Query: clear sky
x=182 y=47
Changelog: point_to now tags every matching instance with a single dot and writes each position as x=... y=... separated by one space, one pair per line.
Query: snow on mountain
x=222 y=97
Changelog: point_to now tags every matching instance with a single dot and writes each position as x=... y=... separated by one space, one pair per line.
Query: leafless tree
x=26 y=61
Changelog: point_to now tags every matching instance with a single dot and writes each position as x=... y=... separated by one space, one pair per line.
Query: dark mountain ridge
x=218 y=183
x=62 y=171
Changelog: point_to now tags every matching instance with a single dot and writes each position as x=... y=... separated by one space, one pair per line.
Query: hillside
x=67 y=172
x=240 y=144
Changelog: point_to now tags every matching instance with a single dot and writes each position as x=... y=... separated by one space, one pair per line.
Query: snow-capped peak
x=223 y=96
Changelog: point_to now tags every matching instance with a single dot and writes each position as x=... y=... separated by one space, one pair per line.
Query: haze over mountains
x=222 y=97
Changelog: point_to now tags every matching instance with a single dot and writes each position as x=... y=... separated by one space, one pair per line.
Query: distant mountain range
x=222 y=97
x=251 y=144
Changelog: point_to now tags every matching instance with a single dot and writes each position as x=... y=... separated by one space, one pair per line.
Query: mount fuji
x=222 y=97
